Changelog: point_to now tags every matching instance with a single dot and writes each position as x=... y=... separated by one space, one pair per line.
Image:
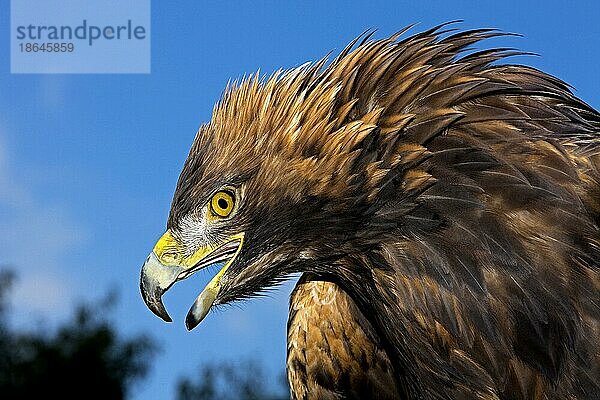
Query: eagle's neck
x=333 y=350
x=366 y=287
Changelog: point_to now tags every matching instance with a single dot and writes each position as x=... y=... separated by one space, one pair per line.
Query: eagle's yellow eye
x=222 y=203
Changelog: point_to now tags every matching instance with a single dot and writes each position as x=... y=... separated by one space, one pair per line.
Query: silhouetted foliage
x=84 y=358
x=228 y=381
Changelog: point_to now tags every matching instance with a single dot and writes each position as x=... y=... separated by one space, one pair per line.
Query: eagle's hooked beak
x=166 y=265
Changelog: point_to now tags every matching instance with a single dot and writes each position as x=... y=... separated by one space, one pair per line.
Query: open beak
x=165 y=265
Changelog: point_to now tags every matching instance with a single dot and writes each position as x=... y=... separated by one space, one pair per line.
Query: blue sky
x=88 y=163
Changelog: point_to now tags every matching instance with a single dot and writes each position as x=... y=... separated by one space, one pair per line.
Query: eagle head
x=274 y=184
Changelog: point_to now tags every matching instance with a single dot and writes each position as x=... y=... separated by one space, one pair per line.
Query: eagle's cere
x=443 y=207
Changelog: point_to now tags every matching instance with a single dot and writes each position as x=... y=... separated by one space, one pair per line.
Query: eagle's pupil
x=222 y=203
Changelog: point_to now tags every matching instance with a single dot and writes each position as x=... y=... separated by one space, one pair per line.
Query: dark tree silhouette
x=87 y=358
x=229 y=381
x=84 y=358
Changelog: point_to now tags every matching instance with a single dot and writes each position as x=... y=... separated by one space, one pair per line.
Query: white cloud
x=35 y=237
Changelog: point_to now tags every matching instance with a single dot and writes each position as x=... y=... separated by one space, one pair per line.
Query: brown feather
x=445 y=208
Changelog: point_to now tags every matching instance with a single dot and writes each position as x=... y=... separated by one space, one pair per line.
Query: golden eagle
x=443 y=207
